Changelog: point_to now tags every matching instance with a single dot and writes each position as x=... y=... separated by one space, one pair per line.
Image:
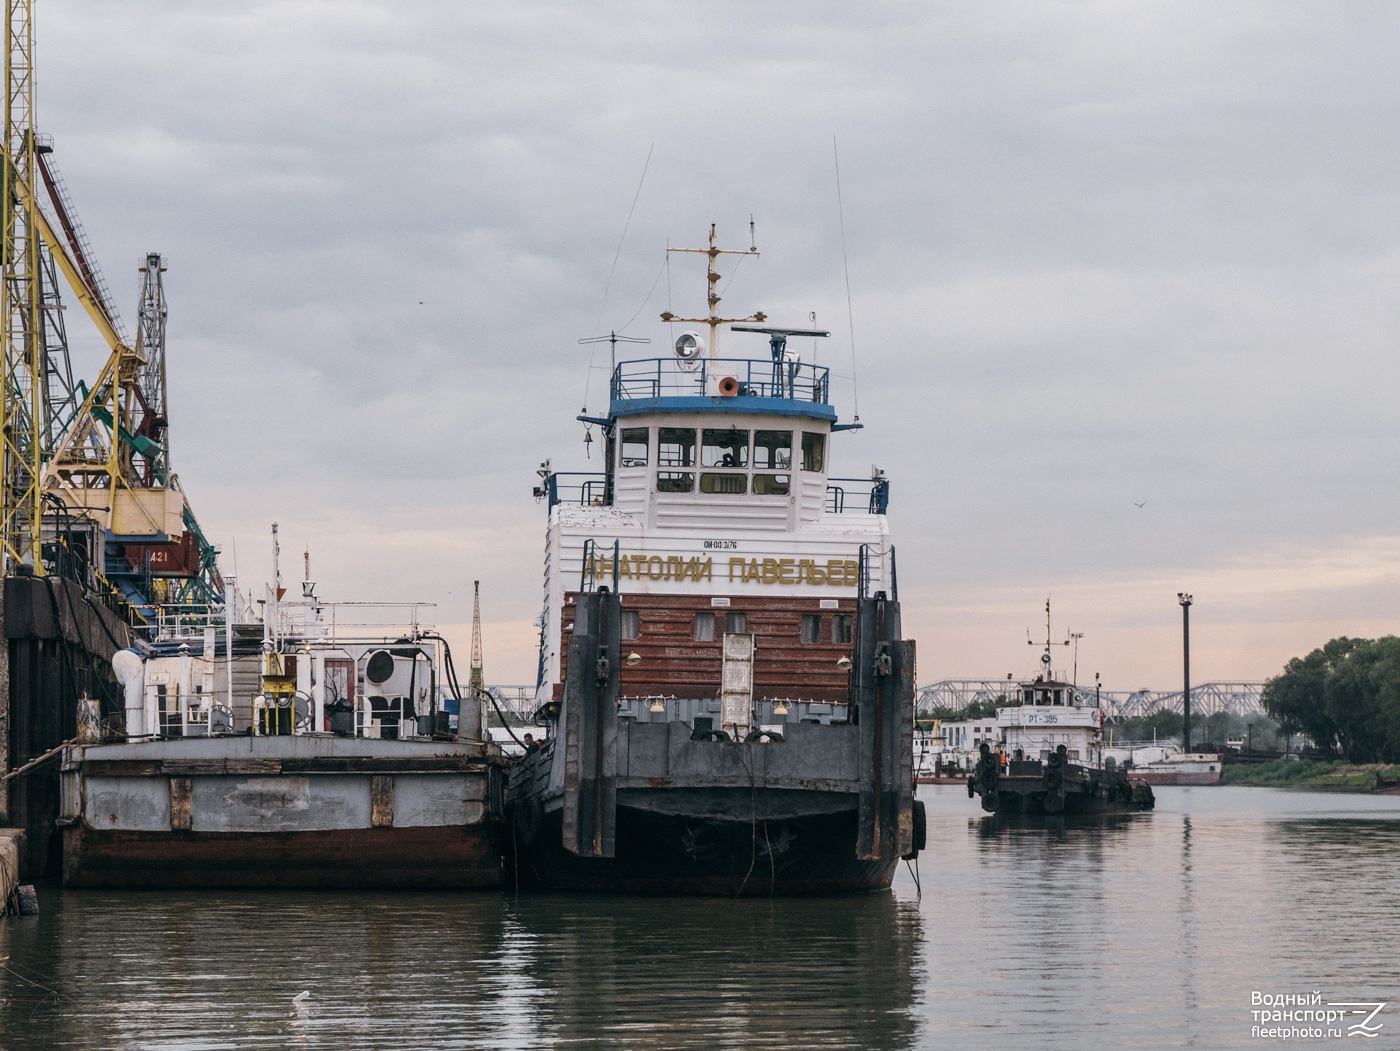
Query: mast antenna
x=712 y=276
x=613 y=339
x=277 y=563
x=1045 y=657
x=846 y=269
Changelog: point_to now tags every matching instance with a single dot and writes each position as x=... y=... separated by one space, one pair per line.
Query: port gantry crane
x=86 y=469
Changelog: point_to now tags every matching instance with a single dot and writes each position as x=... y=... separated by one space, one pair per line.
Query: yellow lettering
x=830 y=572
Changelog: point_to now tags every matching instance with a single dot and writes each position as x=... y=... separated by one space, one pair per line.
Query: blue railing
x=666 y=378
x=587 y=488
x=868 y=496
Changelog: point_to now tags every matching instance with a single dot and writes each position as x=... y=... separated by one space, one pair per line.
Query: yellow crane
x=84 y=460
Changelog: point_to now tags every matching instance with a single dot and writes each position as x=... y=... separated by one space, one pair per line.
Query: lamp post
x=1185 y=601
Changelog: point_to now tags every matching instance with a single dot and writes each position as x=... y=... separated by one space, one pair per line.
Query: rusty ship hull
x=430 y=858
x=723 y=843
x=289 y=811
x=623 y=804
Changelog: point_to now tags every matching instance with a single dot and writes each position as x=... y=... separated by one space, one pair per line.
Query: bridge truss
x=1237 y=698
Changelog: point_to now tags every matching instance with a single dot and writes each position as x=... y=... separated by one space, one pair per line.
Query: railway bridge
x=1237 y=698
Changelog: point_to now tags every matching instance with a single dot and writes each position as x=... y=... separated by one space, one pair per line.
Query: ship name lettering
x=674 y=567
x=835 y=571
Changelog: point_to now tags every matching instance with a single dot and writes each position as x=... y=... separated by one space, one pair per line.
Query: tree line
x=1345 y=696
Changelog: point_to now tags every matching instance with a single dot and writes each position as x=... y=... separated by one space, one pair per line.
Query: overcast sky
x=1101 y=255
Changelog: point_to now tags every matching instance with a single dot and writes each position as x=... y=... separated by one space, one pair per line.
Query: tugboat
x=721 y=657
x=1050 y=757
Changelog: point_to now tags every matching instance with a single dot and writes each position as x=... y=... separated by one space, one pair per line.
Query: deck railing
x=863 y=496
x=853 y=496
x=670 y=378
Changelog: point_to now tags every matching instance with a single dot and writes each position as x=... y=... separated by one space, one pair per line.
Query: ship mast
x=712 y=276
x=1045 y=657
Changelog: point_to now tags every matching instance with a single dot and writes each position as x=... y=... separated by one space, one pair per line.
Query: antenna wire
x=846 y=267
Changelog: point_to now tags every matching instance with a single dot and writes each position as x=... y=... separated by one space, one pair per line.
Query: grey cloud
x=1099 y=252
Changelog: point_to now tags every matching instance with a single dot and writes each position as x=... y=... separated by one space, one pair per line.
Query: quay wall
x=58 y=647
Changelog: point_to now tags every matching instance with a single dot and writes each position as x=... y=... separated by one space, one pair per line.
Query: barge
x=306 y=748
x=1163 y=765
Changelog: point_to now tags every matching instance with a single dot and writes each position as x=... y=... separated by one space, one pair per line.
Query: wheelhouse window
x=771 y=484
x=631 y=624
x=674 y=481
x=841 y=628
x=675 y=447
x=772 y=450
x=811 y=627
x=813 y=451
x=726 y=483
x=704 y=627
x=734 y=623
x=636 y=445
x=724 y=448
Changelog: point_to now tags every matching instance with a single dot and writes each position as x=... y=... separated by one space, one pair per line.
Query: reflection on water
x=1145 y=931
x=472 y=970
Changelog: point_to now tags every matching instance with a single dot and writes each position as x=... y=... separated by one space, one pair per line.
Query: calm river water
x=1149 y=932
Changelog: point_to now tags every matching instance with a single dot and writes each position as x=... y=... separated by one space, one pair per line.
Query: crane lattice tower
x=477 y=683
